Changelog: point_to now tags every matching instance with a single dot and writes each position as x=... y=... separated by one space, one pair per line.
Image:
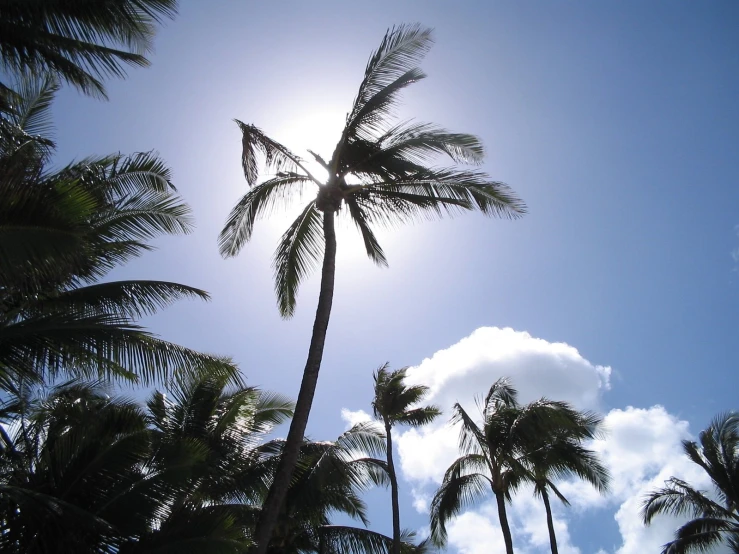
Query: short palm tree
x=378 y=174
x=61 y=232
x=79 y=42
x=494 y=455
x=83 y=472
x=396 y=403
x=562 y=455
x=716 y=517
x=329 y=478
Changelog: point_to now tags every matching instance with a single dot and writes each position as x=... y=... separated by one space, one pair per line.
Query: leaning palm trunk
x=550 y=521
x=503 y=516
x=393 y=489
x=289 y=458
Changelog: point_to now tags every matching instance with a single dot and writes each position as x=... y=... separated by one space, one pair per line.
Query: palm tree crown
x=494 y=455
x=561 y=454
x=378 y=174
x=396 y=403
x=714 y=521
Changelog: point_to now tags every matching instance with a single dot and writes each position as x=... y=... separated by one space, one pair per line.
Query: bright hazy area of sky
x=617 y=123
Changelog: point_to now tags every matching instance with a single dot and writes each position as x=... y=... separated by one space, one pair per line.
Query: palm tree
x=83 y=472
x=380 y=173
x=217 y=427
x=714 y=521
x=79 y=42
x=561 y=455
x=60 y=233
x=494 y=454
x=396 y=403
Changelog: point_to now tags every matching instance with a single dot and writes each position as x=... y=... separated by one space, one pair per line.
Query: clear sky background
x=617 y=123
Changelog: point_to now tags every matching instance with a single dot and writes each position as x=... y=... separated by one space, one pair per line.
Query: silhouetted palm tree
x=60 y=233
x=561 y=455
x=79 y=41
x=83 y=472
x=380 y=173
x=396 y=403
x=714 y=522
x=494 y=454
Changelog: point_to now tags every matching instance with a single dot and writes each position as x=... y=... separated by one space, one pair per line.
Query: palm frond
x=133 y=299
x=371 y=245
x=678 y=498
x=260 y=201
x=401 y=48
x=276 y=156
x=298 y=254
x=32 y=108
x=452 y=498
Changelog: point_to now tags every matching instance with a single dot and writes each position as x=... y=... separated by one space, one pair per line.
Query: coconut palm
x=396 y=403
x=79 y=41
x=70 y=463
x=60 y=233
x=562 y=455
x=715 y=518
x=380 y=174
x=83 y=472
x=330 y=477
x=494 y=454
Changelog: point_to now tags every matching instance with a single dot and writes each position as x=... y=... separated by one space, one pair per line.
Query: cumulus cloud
x=642 y=447
x=352 y=418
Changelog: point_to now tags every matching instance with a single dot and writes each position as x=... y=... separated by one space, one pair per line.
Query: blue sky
x=617 y=123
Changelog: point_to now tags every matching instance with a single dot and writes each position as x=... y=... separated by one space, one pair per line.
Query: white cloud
x=352 y=418
x=642 y=447
x=537 y=368
x=467 y=369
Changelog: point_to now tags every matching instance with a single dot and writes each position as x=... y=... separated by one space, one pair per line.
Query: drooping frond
x=678 y=498
x=260 y=201
x=371 y=245
x=471 y=437
x=299 y=252
x=454 y=495
x=255 y=143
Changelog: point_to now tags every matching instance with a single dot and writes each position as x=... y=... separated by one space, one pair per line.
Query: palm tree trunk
x=550 y=522
x=503 y=517
x=393 y=490
x=288 y=460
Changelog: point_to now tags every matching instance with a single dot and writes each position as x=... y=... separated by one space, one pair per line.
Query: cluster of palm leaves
x=715 y=514
x=513 y=445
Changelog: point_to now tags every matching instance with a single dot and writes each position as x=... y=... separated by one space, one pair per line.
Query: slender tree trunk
x=550 y=522
x=288 y=460
x=393 y=490
x=503 y=516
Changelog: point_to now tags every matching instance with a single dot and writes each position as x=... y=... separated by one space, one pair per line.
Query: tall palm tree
x=562 y=455
x=716 y=521
x=396 y=403
x=60 y=233
x=79 y=41
x=380 y=173
x=494 y=454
